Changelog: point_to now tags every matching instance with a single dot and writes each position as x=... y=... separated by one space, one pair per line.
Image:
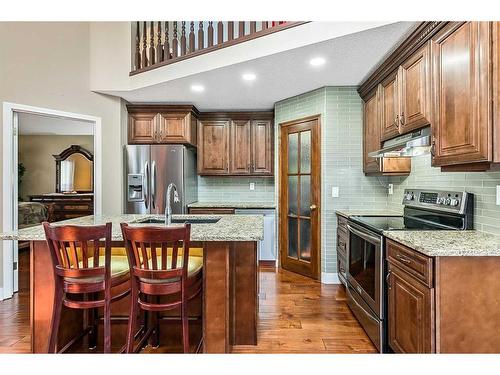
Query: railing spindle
x=144 y=56
x=152 y=43
x=183 y=38
x=166 y=45
x=230 y=30
x=241 y=31
x=201 y=36
x=210 y=34
x=191 y=38
x=175 y=42
x=264 y=25
x=220 y=32
x=138 y=47
x=159 y=45
x=253 y=27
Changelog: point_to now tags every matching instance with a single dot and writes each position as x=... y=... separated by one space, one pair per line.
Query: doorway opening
x=51 y=172
x=300 y=196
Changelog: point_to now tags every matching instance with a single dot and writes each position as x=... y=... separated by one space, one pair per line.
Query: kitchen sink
x=178 y=221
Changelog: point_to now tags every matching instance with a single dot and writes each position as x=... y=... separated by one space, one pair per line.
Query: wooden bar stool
x=159 y=269
x=81 y=269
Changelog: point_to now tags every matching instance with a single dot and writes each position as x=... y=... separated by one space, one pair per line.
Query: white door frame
x=10 y=157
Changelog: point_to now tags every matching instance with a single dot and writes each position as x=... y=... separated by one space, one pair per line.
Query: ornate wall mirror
x=74 y=170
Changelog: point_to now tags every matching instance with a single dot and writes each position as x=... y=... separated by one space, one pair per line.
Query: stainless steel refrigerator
x=150 y=169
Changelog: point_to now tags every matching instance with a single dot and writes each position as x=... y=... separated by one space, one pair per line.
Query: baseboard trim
x=267 y=263
x=330 y=278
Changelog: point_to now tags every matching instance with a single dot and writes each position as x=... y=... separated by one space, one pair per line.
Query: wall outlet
x=252 y=185
x=390 y=189
x=498 y=195
x=335 y=191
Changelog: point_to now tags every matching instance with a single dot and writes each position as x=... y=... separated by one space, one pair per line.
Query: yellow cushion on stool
x=119 y=267
x=194 y=265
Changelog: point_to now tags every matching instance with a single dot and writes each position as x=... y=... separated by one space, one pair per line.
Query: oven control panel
x=443 y=200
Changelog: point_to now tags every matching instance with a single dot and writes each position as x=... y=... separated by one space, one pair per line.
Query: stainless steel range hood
x=413 y=144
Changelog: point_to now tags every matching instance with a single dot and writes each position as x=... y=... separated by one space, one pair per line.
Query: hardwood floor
x=301 y=315
x=296 y=315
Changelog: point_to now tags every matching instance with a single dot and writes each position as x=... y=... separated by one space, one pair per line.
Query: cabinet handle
x=403 y=259
x=433 y=146
x=388 y=280
x=313 y=207
x=396 y=121
x=402 y=118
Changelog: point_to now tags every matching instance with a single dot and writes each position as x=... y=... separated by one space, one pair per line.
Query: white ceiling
x=34 y=124
x=349 y=59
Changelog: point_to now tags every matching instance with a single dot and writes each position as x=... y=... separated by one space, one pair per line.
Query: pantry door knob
x=313 y=207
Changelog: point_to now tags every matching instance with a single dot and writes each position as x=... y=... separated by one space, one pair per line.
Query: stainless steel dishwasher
x=266 y=247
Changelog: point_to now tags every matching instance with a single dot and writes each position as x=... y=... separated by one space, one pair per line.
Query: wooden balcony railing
x=159 y=43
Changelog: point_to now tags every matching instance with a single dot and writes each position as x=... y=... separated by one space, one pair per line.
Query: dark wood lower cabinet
x=411 y=310
x=444 y=304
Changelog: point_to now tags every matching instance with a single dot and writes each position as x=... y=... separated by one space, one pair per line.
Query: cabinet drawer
x=211 y=211
x=416 y=264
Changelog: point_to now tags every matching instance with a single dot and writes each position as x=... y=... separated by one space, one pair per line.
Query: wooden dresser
x=67 y=206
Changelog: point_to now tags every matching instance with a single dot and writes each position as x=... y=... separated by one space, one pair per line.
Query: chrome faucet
x=168 y=208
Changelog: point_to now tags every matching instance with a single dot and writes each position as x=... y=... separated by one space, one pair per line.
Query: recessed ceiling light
x=249 y=77
x=197 y=88
x=317 y=61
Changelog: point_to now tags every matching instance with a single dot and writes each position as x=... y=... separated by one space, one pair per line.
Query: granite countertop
x=228 y=228
x=448 y=242
x=232 y=205
x=359 y=212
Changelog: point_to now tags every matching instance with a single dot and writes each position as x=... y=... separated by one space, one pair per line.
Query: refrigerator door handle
x=153 y=185
x=146 y=182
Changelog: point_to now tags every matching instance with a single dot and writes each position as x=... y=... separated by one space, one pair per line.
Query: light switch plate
x=335 y=191
x=390 y=189
x=252 y=185
x=498 y=195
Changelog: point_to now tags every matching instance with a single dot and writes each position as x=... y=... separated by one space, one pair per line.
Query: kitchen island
x=230 y=282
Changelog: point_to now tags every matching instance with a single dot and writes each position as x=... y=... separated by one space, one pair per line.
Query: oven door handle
x=366 y=236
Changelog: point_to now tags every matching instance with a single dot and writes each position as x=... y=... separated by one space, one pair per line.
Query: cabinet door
x=262 y=147
x=371 y=134
x=240 y=162
x=462 y=123
x=213 y=147
x=415 y=91
x=411 y=313
x=389 y=106
x=142 y=128
x=173 y=128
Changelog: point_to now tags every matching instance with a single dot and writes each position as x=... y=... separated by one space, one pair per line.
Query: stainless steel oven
x=365 y=269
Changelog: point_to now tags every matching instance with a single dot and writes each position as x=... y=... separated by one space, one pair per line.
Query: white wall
x=47 y=64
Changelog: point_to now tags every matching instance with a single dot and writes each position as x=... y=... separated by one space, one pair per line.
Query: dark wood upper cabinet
x=461 y=94
x=213 y=147
x=371 y=133
x=240 y=147
x=389 y=106
x=414 y=82
x=410 y=320
x=250 y=144
x=142 y=127
x=262 y=147
x=162 y=124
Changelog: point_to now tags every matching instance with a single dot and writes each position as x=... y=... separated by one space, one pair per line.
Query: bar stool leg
x=155 y=342
x=95 y=324
x=132 y=321
x=107 y=320
x=185 y=323
x=56 y=316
